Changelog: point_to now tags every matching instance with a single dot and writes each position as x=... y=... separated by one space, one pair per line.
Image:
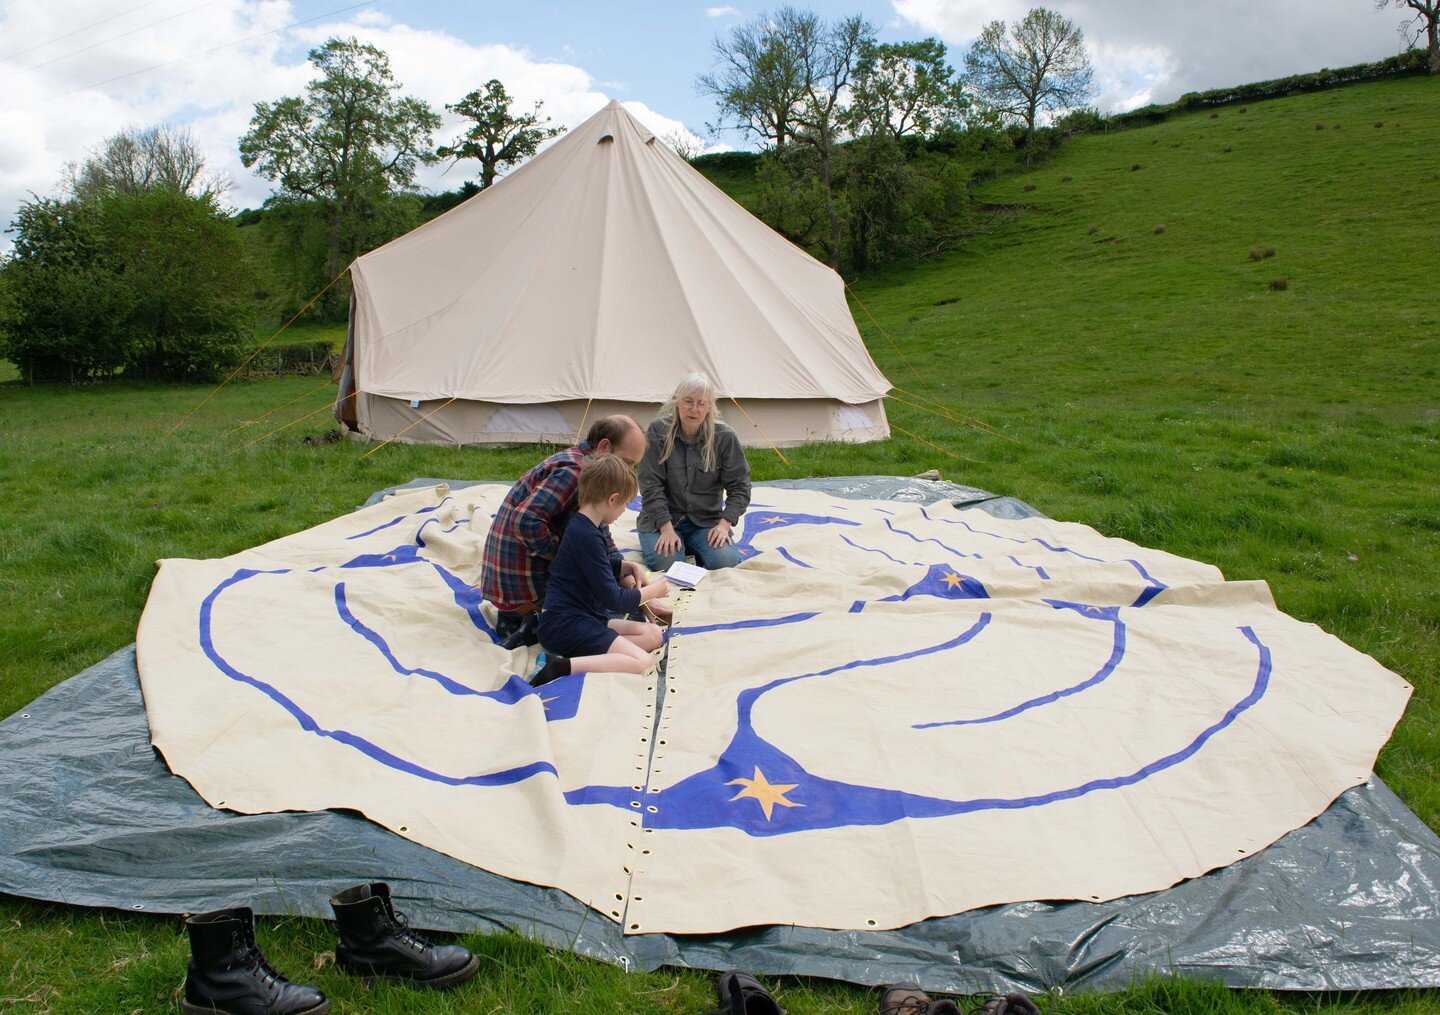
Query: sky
x=75 y=71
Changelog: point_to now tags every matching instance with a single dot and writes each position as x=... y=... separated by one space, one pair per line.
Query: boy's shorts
x=573 y=635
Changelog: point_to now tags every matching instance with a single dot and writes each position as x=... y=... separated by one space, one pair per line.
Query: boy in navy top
x=584 y=586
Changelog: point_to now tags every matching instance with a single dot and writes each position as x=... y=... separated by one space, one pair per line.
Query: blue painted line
x=308 y=723
x=1117 y=653
x=740 y=625
x=872 y=549
x=512 y=691
x=1156 y=587
x=435 y=521
x=397 y=521
x=751 y=695
x=950 y=549
x=791 y=558
x=708 y=799
x=468 y=598
x=1011 y=539
x=1033 y=567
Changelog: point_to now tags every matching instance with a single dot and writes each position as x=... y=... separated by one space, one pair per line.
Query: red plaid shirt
x=526 y=531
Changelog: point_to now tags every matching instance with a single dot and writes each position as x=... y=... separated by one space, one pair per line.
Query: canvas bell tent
x=589 y=282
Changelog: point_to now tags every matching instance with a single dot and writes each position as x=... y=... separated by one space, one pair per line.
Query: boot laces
x=252 y=958
x=911 y=1006
x=400 y=923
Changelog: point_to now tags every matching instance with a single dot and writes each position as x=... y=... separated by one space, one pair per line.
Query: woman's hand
x=668 y=545
x=719 y=535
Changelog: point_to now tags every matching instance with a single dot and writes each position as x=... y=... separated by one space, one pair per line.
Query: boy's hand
x=658 y=589
x=633 y=571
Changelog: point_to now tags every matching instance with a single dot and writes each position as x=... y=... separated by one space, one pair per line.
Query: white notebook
x=687 y=576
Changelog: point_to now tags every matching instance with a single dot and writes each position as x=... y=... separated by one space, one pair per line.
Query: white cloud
x=719 y=12
x=1143 y=49
x=42 y=128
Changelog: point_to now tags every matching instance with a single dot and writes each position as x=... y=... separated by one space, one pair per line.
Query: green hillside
x=1115 y=324
x=1146 y=381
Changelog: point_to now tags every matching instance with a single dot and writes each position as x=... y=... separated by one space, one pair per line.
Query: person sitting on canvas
x=525 y=534
x=584 y=587
x=694 y=481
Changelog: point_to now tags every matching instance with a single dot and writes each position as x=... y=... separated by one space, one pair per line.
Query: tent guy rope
x=258 y=349
x=761 y=432
x=297 y=398
x=968 y=420
x=402 y=432
x=287 y=426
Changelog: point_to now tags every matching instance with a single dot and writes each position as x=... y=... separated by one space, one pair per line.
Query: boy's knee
x=651 y=638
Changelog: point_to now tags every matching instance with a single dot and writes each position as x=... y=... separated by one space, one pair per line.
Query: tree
x=761 y=79
x=193 y=284
x=828 y=63
x=499 y=138
x=347 y=144
x=67 y=296
x=153 y=282
x=785 y=78
x=905 y=202
x=1040 y=65
x=134 y=161
x=905 y=88
x=1425 y=21
x=684 y=144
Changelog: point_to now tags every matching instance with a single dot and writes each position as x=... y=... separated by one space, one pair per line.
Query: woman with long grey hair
x=694 y=481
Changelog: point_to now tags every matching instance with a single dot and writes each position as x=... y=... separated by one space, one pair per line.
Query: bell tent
x=589 y=282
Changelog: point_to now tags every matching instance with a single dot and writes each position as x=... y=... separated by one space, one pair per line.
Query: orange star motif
x=952 y=579
x=773 y=519
x=768 y=794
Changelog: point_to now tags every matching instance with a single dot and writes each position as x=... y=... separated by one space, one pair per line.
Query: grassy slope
x=1161 y=391
x=1153 y=386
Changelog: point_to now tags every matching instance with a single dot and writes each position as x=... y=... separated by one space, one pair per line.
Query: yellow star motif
x=768 y=794
x=952 y=579
x=773 y=519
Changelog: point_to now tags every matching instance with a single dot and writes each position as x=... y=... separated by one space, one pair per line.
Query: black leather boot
x=377 y=941
x=228 y=973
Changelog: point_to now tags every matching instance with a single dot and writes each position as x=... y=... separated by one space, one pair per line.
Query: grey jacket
x=682 y=487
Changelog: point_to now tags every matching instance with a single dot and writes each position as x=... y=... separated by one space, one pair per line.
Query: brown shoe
x=1008 y=1004
x=904 y=999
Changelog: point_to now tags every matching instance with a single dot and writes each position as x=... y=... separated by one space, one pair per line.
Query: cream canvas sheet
x=887 y=712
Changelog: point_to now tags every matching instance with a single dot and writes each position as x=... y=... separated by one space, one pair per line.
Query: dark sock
x=554 y=668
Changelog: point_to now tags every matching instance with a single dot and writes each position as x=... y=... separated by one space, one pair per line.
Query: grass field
x=1148 y=381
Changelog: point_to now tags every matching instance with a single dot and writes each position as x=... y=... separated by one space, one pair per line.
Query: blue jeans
x=692 y=540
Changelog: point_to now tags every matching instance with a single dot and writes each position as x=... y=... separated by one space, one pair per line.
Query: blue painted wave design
x=708 y=799
x=799 y=801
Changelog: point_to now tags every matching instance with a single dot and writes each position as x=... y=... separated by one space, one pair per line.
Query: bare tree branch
x=1041 y=65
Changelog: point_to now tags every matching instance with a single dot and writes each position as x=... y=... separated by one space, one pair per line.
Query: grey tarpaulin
x=90 y=816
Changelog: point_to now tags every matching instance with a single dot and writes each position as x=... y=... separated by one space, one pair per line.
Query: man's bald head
x=619 y=435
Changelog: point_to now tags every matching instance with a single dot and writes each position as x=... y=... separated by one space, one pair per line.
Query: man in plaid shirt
x=526 y=531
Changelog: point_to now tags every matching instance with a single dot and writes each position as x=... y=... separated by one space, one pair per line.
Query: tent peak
x=613 y=104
